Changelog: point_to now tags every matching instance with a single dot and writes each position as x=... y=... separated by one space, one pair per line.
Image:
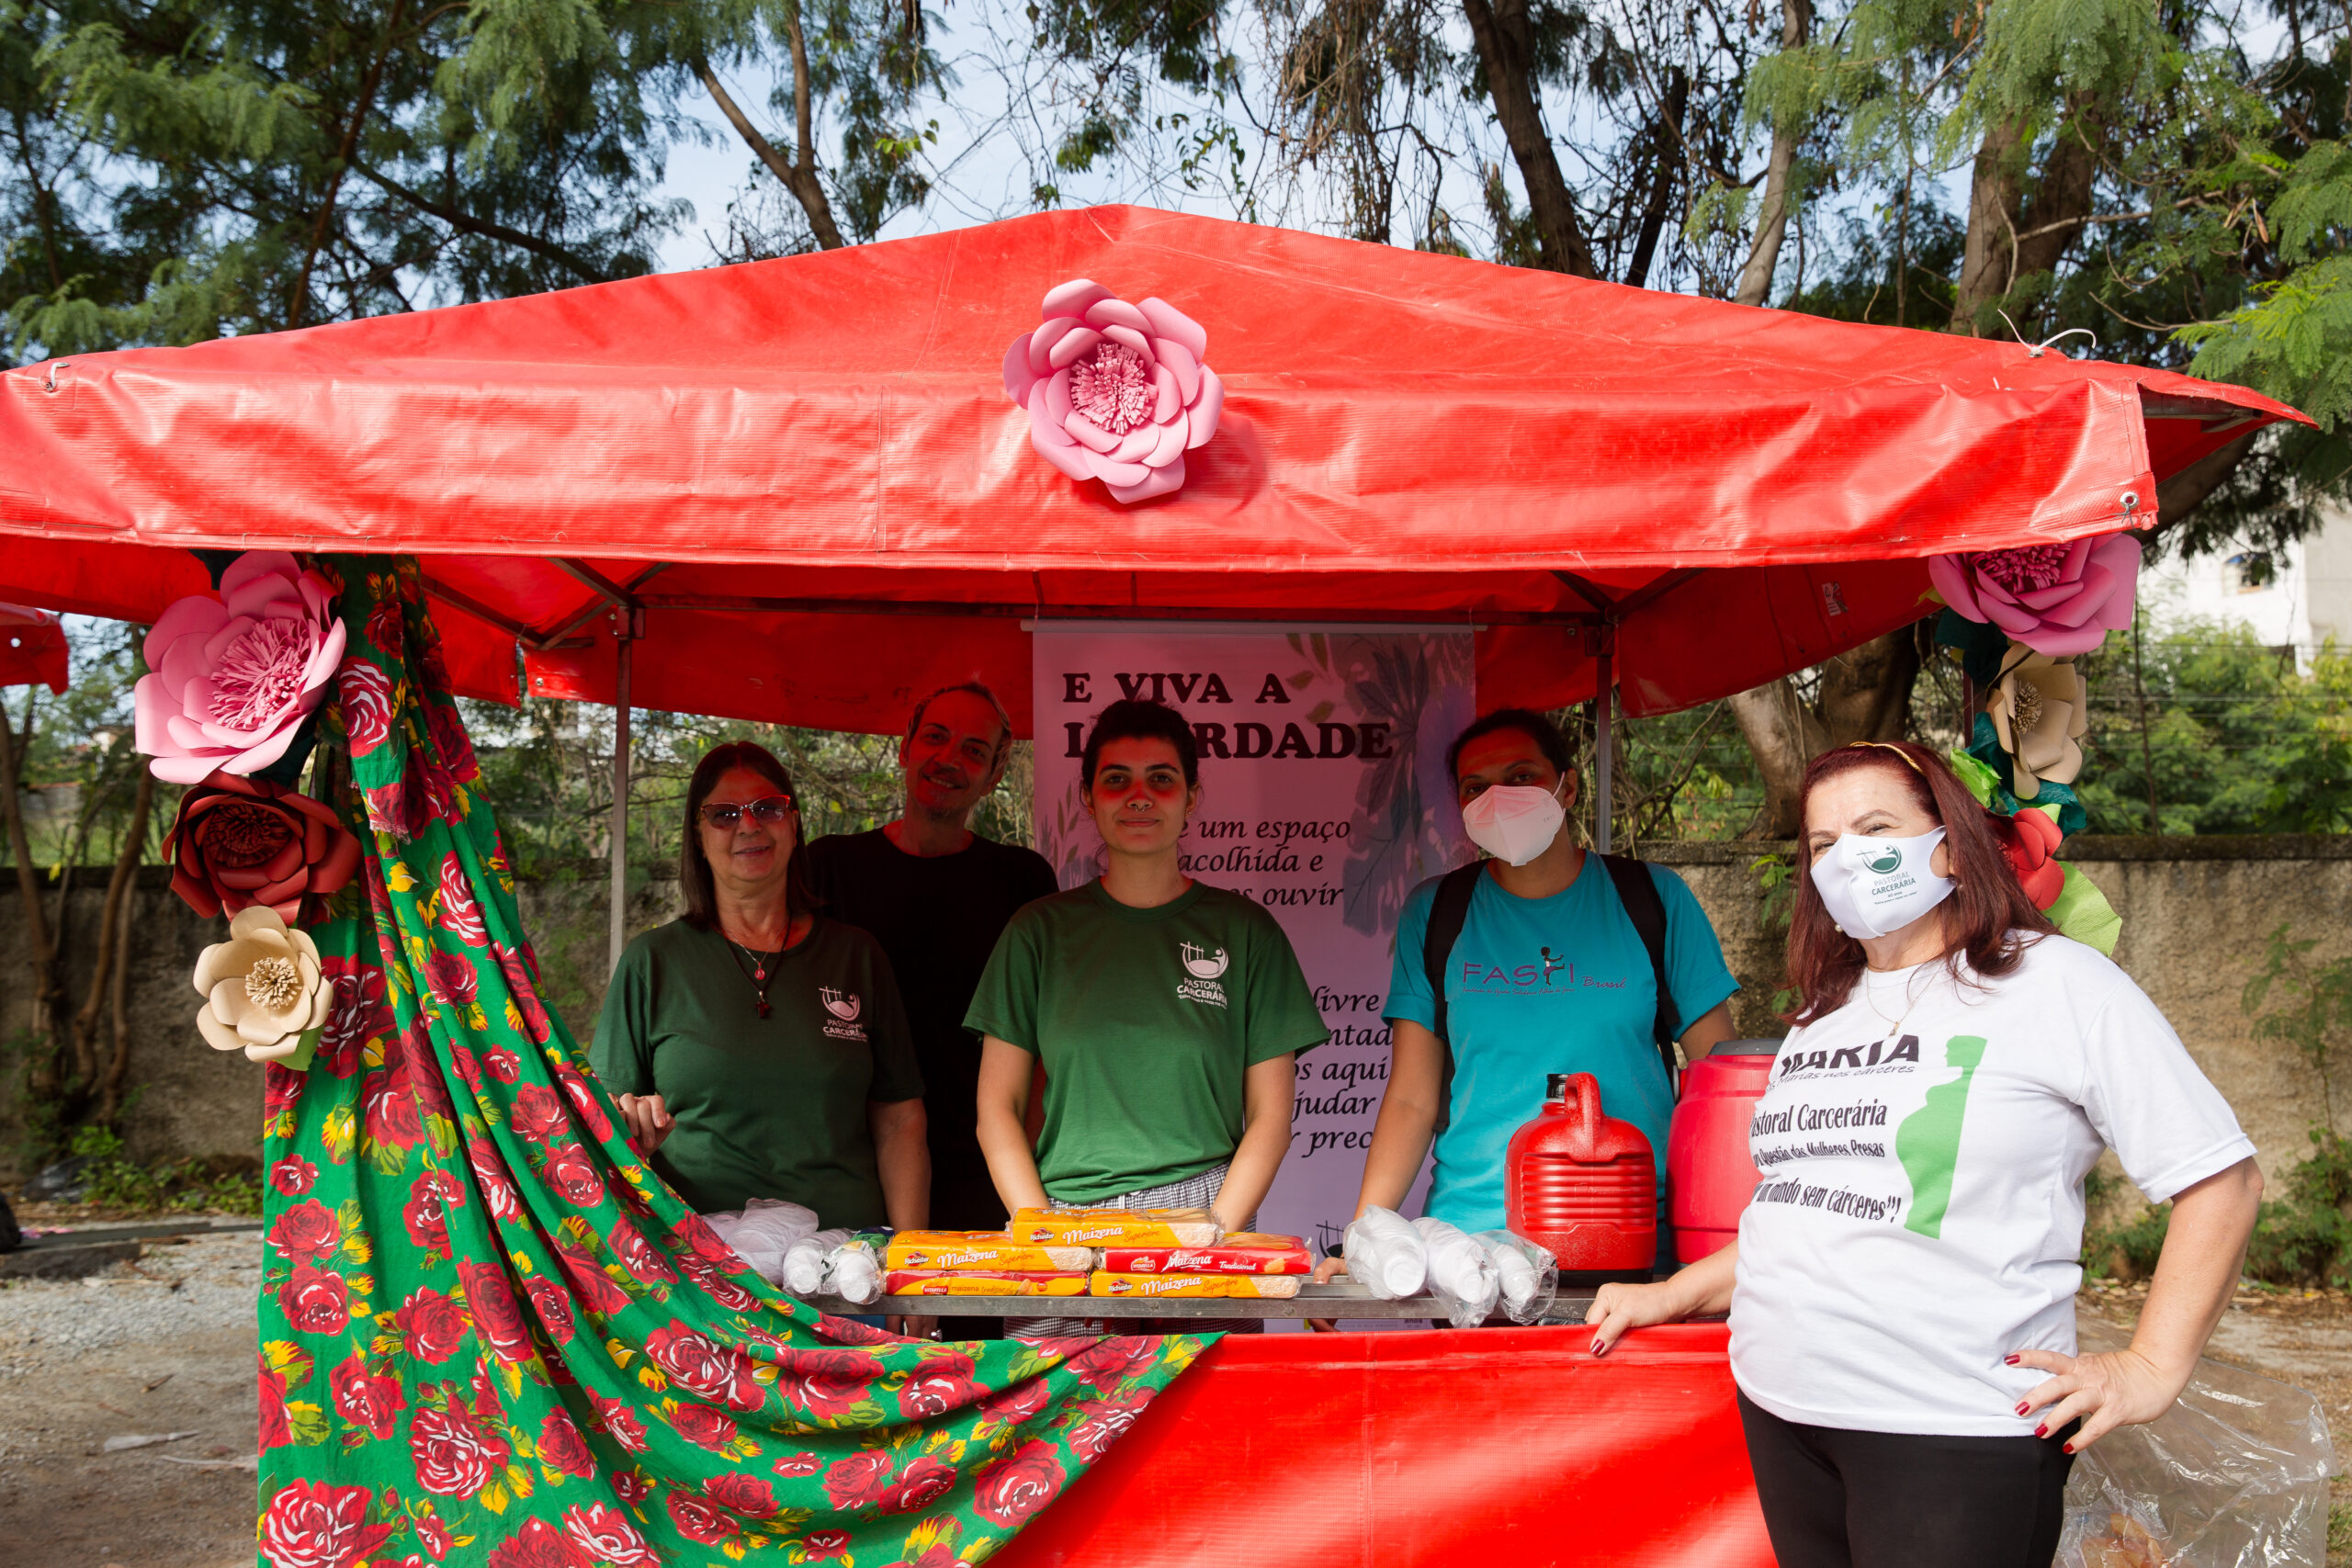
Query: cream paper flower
x=2041 y=711
x=264 y=992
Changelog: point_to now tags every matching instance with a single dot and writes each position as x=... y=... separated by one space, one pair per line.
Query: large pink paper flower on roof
x=1115 y=393
x=235 y=676
x=2061 y=600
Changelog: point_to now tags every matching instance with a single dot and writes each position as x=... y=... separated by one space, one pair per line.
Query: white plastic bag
x=854 y=1272
x=763 y=1232
x=2234 y=1475
x=1385 y=1254
x=808 y=1261
x=1461 y=1274
x=1528 y=1274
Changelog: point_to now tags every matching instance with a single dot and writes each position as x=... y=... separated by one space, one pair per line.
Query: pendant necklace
x=757 y=973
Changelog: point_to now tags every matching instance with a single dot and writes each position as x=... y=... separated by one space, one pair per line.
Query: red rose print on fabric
x=563 y=1448
x=583 y=1096
x=460 y=914
x=451 y=979
x=706 y=1427
x=538 y=1114
x=701 y=1522
x=449 y=741
x=725 y=1292
x=496 y=1187
x=426 y=1214
x=822 y=1546
x=592 y=1288
x=310 y=1525
x=940 y=1386
x=315 y=1301
x=364 y=1400
x=1017 y=1402
x=503 y=1064
x=384 y=626
x=357 y=1014
x=307 y=1232
x=389 y=1110
x=572 y=1173
x=526 y=992
x=694 y=1233
x=631 y=1486
x=924 y=1481
x=492 y=1305
x=367 y=693
x=696 y=1362
x=640 y=1256
x=293 y=1175
x=434 y=1535
x=620 y=1421
x=826 y=1382
x=859 y=1480
x=539 y=1544
x=553 y=1305
x=1013 y=1485
x=1110 y=1362
x=275 y=1430
x=798 y=1464
x=606 y=1535
x=1092 y=1438
x=453 y=1456
x=432 y=1327
x=741 y=1494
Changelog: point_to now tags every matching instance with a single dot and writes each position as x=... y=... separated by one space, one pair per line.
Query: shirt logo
x=844 y=1006
x=1203 y=969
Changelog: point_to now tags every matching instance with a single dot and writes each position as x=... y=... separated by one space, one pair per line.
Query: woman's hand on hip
x=649 y=1119
x=2117 y=1388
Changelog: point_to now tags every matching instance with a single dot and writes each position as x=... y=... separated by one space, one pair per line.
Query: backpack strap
x=1637 y=890
x=1448 y=911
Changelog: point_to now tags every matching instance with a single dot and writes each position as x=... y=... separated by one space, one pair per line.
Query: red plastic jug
x=1583 y=1185
x=1709 y=1177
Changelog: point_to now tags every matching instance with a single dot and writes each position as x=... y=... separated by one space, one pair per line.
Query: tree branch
x=588 y=271
x=1505 y=40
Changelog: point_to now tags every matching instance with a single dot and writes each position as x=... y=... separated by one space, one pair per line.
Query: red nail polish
x=2070 y=1447
x=2012 y=1360
x=2020 y=1406
x=2043 y=1430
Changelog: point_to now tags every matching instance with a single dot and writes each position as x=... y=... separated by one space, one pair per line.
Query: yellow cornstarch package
x=1115 y=1227
x=1249 y=1287
x=991 y=1250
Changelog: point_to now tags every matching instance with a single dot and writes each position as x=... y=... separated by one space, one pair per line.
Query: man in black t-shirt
x=936 y=896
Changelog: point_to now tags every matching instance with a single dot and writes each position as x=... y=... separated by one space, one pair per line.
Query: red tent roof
x=808 y=473
x=33 y=649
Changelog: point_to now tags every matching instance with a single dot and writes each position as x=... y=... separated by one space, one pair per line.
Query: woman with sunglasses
x=758 y=1049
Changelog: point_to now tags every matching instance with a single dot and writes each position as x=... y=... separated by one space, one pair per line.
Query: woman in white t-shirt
x=1901 y=1294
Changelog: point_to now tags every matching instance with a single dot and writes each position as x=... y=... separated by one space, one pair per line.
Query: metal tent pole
x=620 y=795
x=1604 y=758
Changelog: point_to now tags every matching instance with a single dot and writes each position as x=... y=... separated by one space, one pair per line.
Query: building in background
x=2304 y=603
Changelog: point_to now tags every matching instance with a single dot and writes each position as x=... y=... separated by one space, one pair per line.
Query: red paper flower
x=432 y=1326
x=238 y=842
x=495 y=1315
x=743 y=1494
x=1114 y=391
x=315 y=1301
x=2028 y=840
x=563 y=1448
x=706 y=1427
x=858 y=1480
x=701 y=1522
x=1015 y=1484
x=311 y=1525
x=606 y=1535
x=307 y=1232
x=553 y=1305
x=451 y=1455
x=365 y=1400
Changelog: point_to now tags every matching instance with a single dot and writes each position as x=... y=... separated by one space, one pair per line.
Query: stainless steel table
x=1340 y=1299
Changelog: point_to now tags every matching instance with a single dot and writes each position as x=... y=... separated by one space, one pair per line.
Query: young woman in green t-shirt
x=1168 y=1014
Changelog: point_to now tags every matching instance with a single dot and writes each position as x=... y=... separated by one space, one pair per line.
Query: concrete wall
x=2194 y=914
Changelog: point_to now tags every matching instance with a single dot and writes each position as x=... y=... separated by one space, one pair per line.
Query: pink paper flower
x=235 y=676
x=2061 y=600
x=1115 y=393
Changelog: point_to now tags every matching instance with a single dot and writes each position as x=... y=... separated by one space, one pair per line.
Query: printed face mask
x=1514 y=823
x=1876 y=887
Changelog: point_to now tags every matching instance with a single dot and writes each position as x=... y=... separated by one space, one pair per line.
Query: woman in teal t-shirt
x=1168 y=1014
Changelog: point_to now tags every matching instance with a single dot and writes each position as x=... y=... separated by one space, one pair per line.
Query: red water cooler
x=1709 y=1175
x=1584 y=1185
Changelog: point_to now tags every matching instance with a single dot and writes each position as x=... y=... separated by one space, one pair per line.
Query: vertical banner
x=1324 y=798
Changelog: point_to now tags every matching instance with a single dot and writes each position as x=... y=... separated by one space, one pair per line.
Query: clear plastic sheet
x=764 y=1233
x=2234 y=1475
x=1461 y=1274
x=1385 y=1254
x=1528 y=1275
x=808 y=1260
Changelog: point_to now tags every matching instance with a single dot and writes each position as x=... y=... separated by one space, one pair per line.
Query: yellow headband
x=1908 y=760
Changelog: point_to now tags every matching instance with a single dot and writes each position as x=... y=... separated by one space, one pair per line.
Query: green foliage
x=2313 y=1013
x=188 y=1186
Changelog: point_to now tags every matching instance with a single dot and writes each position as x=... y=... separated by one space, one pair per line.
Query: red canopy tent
x=33 y=649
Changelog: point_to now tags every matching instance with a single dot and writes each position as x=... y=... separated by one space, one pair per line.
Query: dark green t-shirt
x=766 y=1107
x=1147 y=1020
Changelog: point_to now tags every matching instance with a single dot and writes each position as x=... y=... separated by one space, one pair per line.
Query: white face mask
x=1876 y=887
x=1514 y=823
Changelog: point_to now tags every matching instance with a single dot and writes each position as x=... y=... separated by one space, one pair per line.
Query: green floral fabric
x=490 y=1334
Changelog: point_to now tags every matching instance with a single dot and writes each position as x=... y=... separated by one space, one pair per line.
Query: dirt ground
x=164 y=1347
